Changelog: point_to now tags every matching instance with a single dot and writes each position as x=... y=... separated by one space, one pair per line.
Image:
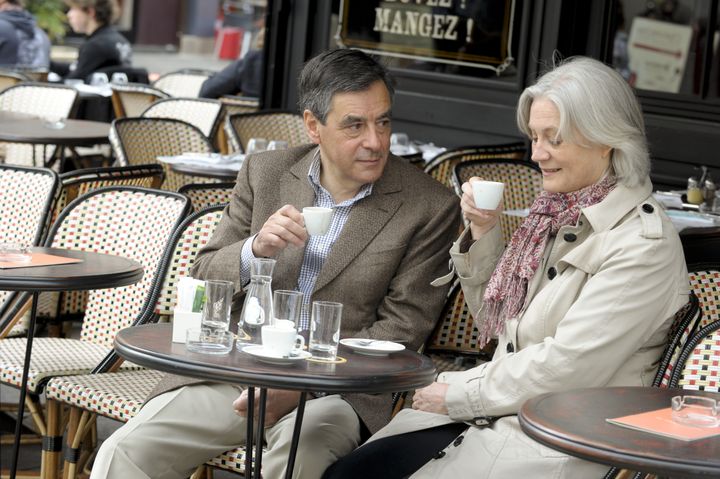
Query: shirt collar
x=314 y=179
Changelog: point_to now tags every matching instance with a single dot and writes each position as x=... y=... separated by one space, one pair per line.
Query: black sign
x=463 y=32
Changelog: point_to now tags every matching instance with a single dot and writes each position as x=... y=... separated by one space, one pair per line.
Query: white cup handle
x=301 y=340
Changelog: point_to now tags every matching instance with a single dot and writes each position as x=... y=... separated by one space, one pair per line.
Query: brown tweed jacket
x=394 y=243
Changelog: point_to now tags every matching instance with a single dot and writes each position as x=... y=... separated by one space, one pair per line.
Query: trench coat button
x=648 y=208
x=570 y=237
x=458 y=440
x=510 y=348
x=440 y=455
x=552 y=272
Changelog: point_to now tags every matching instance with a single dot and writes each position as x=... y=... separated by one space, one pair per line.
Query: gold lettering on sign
x=437 y=26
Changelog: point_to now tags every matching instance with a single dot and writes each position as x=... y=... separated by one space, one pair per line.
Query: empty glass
x=216 y=312
x=287 y=306
x=325 y=330
x=99 y=79
x=119 y=78
x=256 y=145
x=277 y=145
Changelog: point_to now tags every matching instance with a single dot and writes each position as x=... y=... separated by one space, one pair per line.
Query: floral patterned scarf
x=505 y=293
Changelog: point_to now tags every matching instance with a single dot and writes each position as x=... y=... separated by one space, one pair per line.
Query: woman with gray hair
x=582 y=296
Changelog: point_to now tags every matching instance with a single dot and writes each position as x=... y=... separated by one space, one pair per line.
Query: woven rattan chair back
x=455 y=338
x=131 y=99
x=201 y=112
x=135 y=223
x=232 y=105
x=138 y=141
x=74 y=184
x=9 y=78
x=183 y=83
x=26 y=199
x=523 y=183
x=194 y=235
x=268 y=124
x=441 y=167
x=205 y=195
x=42 y=100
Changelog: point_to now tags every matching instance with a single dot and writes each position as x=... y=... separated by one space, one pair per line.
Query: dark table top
x=151 y=346
x=96 y=271
x=225 y=174
x=23 y=128
x=574 y=422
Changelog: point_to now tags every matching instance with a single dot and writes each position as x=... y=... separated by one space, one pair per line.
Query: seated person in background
x=242 y=76
x=33 y=42
x=389 y=231
x=8 y=44
x=582 y=296
x=104 y=46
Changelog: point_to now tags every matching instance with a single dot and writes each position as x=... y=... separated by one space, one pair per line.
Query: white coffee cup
x=487 y=194
x=317 y=219
x=281 y=340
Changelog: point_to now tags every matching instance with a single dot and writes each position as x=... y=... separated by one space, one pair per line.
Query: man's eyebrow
x=352 y=119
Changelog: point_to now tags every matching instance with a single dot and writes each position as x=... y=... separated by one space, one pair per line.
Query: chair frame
x=234 y=136
x=141 y=88
x=216 y=122
x=204 y=186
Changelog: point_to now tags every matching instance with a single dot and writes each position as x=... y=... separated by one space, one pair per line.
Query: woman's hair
x=106 y=11
x=598 y=107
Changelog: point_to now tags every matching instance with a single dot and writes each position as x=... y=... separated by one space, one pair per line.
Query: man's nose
x=373 y=139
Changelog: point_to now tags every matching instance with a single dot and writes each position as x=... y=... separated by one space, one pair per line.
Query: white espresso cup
x=280 y=340
x=317 y=219
x=487 y=194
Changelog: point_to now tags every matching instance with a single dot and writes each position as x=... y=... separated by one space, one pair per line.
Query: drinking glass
x=216 y=313
x=119 y=78
x=325 y=330
x=287 y=306
x=277 y=145
x=99 y=79
x=256 y=145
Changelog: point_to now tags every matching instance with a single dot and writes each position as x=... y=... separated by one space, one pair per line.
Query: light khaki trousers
x=177 y=431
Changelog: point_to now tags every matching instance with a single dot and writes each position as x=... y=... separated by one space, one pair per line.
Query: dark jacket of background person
x=245 y=75
x=33 y=43
x=105 y=47
x=8 y=44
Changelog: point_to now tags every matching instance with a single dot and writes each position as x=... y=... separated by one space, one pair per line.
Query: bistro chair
x=135 y=223
x=73 y=184
x=232 y=104
x=137 y=141
x=183 y=83
x=120 y=395
x=523 y=183
x=441 y=167
x=691 y=359
x=10 y=78
x=200 y=112
x=26 y=200
x=131 y=99
x=268 y=124
x=42 y=100
x=203 y=195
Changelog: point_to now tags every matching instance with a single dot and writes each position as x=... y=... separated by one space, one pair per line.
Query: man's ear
x=312 y=126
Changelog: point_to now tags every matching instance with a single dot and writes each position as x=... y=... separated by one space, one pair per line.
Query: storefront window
x=476 y=38
x=661 y=46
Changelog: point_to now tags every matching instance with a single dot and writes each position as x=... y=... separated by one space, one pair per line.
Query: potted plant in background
x=50 y=16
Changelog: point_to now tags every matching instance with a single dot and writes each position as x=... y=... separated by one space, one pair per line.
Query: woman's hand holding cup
x=481 y=220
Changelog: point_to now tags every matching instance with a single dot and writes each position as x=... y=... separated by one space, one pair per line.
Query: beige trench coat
x=596 y=314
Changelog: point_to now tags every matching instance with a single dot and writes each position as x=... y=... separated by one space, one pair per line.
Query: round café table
x=152 y=346
x=574 y=422
x=223 y=174
x=24 y=128
x=94 y=271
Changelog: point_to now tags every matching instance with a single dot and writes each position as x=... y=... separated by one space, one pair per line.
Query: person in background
x=33 y=44
x=241 y=77
x=583 y=295
x=391 y=228
x=8 y=44
x=104 y=45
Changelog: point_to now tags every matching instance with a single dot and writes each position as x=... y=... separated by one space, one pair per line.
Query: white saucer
x=375 y=348
x=259 y=353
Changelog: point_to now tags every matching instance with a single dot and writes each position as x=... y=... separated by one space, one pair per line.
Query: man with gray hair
x=391 y=229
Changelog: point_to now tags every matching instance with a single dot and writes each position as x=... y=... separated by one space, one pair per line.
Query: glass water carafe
x=258 y=306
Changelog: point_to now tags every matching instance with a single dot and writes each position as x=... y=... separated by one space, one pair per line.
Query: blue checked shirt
x=317 y=248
